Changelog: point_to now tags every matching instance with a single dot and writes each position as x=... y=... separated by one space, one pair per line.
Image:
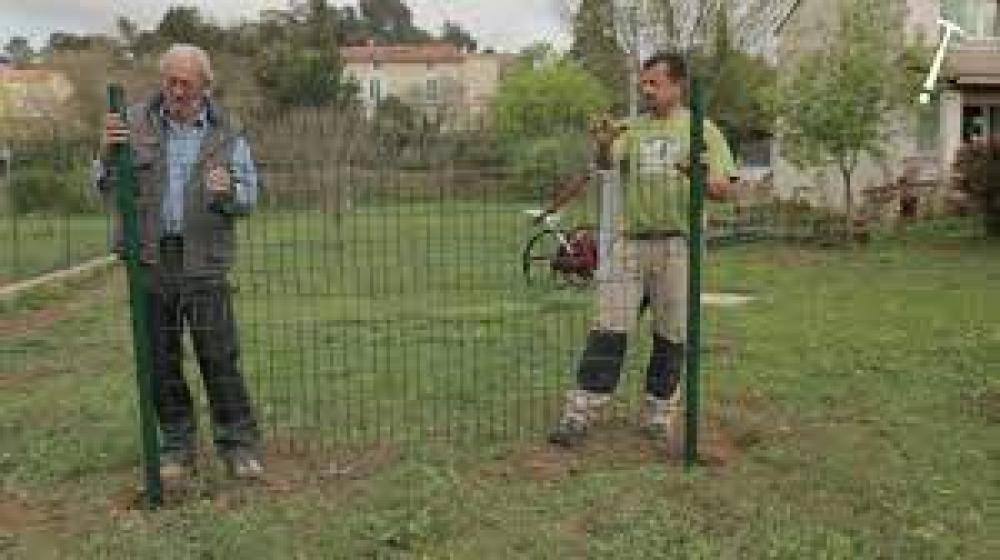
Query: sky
x=503 y=24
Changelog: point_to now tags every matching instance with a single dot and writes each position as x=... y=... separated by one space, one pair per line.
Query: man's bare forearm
x=567 y=191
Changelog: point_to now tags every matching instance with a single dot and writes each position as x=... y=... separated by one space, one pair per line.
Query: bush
x=539 y=165
x=978 y=167
x=44 y=189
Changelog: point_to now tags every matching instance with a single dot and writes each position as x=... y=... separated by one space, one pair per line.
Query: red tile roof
x=404 y=54
x=28 y=76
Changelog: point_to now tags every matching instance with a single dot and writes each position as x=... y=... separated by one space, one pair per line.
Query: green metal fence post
x=138 y=283
x=697 y=208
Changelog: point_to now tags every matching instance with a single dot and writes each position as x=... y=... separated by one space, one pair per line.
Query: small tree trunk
x=848 y=204
x=992 y=216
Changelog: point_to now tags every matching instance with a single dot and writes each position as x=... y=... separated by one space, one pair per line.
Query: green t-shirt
x=656 y=195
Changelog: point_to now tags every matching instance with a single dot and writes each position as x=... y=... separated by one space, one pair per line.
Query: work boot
x=580 y=409
x=660 y=417
x=244 y=465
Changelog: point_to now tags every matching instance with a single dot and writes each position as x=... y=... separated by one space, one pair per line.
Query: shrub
x=36 y=188
x=978 y=167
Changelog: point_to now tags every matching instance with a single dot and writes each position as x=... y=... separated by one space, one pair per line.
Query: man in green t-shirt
x=649 y=256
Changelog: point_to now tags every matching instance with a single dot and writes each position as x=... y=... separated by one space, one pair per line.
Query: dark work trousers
x=205 y=304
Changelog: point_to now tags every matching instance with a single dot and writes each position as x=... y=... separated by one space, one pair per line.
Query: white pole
x=935 y=70
x=610 y=184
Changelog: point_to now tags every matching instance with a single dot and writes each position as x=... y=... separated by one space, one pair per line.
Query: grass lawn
x=406 y=377
x=36 y=244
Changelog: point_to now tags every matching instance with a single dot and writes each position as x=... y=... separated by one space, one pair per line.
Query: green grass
x=406 y=377
x=36 y=244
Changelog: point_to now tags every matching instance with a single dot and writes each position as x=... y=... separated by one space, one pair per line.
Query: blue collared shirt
x=183 y=144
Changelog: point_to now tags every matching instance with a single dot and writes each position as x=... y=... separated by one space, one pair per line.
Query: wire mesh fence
x=51 y=219
x=388 y=288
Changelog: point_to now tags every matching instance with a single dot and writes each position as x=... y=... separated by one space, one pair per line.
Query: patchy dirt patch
x=287 y=472
x=16 y=515
x=20 y=517
x=36 y=320
x=615 y=446
x=63 y=306
x=984 y=403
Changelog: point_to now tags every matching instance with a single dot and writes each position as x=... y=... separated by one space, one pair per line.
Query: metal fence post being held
x=126 y=188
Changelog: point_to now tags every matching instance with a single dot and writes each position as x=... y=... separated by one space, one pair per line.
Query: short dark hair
x=675 y=63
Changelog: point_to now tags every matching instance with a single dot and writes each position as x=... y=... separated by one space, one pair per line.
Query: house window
x=978 y=18
x=980 y=122
x=377 y=64
x=433 y=93
x=375 y=89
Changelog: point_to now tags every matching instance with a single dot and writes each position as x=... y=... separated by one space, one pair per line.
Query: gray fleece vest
x=208 y=234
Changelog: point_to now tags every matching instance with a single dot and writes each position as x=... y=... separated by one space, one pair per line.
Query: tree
x=597 y=48
x=542 y=113
x=453 y=33
x=739 y=99
x=19 y=50
x=837 y=103
x=553 y=96
x=181 y=24
x=322 y=25
x=184 y=24
x=302 y=67
x=537 y=53
x=295 y=76
x=387 y=16
x=724 y=40
x=128 y=31
x=391 y=21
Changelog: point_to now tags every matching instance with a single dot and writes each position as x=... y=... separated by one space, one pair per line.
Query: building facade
x=966 y=106
x=433 y=77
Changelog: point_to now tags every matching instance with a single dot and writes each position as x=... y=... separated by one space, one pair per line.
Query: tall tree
x=322 y=26
x=597 y=48
x=387 y=16
x=19 y=50
x=301 y=66
x=181 y=24
x=391 y=21
x=294 y=76
x=128 y=31
x=184 y=24
x=453 y=33
x=739 y=99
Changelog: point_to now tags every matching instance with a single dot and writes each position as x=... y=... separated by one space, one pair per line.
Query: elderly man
x=195 y=175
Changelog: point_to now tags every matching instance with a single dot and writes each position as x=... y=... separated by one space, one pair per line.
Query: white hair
x=192 y=52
